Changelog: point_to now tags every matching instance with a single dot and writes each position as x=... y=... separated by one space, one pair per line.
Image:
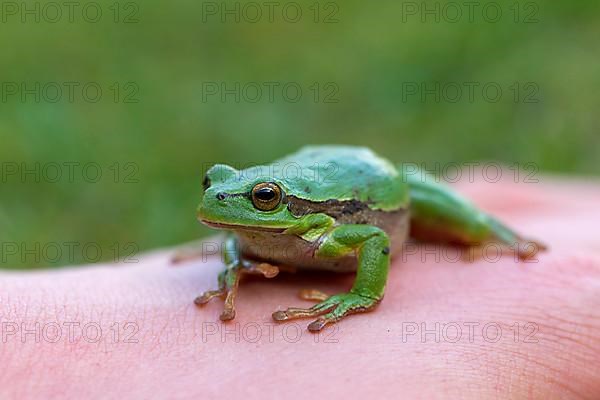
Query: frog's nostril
x=221 y=196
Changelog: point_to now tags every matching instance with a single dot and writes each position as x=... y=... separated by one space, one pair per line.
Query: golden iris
x=266 y=196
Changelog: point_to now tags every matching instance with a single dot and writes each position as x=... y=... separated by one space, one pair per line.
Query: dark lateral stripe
x=332 y=207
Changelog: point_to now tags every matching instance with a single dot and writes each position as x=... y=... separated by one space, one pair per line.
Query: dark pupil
x=265 y=194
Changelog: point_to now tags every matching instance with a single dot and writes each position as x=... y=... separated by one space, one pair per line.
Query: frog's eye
x=266 y=196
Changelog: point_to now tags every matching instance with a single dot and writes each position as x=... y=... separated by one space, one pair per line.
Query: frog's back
x=344 y=173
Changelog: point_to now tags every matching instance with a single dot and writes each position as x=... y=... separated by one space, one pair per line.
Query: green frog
x=337 y=208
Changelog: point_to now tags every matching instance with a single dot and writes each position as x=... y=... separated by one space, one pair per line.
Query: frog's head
x=235 y=199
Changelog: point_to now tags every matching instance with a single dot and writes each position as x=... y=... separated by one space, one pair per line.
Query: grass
x=367 y=61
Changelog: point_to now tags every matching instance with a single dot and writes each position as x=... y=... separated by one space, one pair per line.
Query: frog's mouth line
x=220 y=225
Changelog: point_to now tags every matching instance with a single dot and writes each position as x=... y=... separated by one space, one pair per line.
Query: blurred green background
x=155 y=127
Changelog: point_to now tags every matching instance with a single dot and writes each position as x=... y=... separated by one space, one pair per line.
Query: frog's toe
x=295 y=313
x=318 y=324
x=265 y=269
x=348 y=303
x=227 y=315
x=312 y=295
x=228 y=312
x=207 y=296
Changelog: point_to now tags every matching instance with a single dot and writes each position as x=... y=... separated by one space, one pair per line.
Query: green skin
x=343 y=208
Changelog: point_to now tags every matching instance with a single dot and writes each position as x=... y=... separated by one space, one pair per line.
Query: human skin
x=155 y=343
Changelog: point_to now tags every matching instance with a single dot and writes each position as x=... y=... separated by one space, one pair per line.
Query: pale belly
x=292 y=251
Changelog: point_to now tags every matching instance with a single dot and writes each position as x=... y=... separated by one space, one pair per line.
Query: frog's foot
x=334 y=308
x=229 y=281
x=228 y=287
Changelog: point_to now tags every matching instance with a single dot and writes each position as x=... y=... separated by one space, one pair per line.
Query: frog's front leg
x=229 y=279
x=372 y=247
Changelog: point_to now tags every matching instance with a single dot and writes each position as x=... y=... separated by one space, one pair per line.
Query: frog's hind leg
x=372 y=246
x=440 y=215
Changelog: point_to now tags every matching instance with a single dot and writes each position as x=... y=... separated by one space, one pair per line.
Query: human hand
x=445 y=329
